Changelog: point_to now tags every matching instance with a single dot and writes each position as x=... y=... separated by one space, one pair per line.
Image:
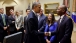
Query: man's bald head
x=61 y=10
x=63 y=7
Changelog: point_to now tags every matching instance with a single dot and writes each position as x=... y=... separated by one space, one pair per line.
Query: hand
x=8 y=25
x=24 y=31
x=38 y=30
x=17 y=29
x=5 y=28
x=46 y=33
x=13 y=21
x=48 y=41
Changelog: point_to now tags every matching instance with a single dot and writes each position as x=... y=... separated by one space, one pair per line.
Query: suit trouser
x=2 y=35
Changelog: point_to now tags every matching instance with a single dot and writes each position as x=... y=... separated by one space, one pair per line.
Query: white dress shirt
x=38 y=16
x=61 y=17
x=34 y=12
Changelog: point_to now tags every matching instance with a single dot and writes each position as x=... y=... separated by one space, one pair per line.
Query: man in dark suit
x=31 y=35
x=25 y=21
x=12 y=27
x=25 y=18
x=3 y=24
x=41 y=22
x=65 y=26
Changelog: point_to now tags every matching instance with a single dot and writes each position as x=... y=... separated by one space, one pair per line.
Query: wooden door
x=8 y=9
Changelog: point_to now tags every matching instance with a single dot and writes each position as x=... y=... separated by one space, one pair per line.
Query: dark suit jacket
x=2 y=24
x=64 y=30
x=2 y=31
x=25 y=21
x=42 y=22
x=12 y=25
x=31 y=35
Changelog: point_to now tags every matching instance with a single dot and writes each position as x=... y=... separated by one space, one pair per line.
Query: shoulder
x=55 y=23
x=21 y=16
x=25 y=17
x=67 y=18
x=31 y=15
x=6 y=15
x=44 y=16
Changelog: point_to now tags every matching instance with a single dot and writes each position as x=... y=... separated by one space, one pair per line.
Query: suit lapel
x=63 y=20
x=59 y=25
x=0 y=16
x=40 y=19
x=12 y=17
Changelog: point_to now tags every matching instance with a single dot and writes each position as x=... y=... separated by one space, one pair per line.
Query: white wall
x=18 y=4
x=71 y=5
x=49 y=1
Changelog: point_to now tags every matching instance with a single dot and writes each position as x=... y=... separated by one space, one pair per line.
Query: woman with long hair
x=50 y=26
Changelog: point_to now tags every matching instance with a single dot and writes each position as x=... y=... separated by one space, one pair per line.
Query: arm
x=20 y=23
x=24 y=23
x=15 y=24
x=10 y=21
x=53 y=37
x=42 y=28
x=31 y=25
x=7 y=21
x=68 y=31
x=1 y=26
x=44 y=23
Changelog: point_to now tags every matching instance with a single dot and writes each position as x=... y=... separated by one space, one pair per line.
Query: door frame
x=8 y=6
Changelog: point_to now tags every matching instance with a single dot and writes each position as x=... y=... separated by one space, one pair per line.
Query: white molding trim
x=8 y=0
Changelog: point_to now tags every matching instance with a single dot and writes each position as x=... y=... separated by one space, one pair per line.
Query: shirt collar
x=61 y=16
x=34 y=12
x=2 y=14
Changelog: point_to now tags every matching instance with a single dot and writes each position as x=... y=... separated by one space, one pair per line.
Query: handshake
x=47 y=33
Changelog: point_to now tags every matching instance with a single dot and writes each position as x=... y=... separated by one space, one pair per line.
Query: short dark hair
x=35 y=4
x=27 y=9
x=11 y=10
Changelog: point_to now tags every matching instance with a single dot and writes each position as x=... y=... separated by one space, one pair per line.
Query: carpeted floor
x=73 y=37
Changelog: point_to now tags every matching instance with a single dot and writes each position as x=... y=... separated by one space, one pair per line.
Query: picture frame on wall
x=50 y=7
x=21 y=12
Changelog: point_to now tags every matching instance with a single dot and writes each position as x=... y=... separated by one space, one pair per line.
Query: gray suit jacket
x=19 y=21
